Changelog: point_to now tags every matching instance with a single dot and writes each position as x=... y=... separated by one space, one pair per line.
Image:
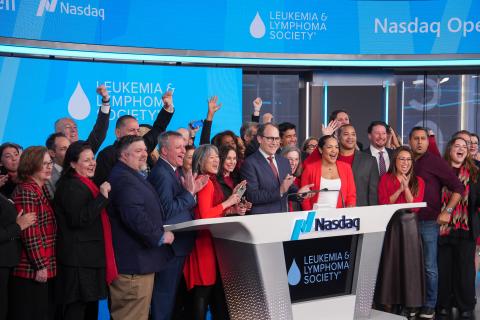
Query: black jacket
x=107 y=158
x=99 y=131
x=80 y=234
x=10 y=245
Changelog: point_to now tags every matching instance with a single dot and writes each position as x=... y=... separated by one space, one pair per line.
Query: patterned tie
x=272 y=165
x=381 y=164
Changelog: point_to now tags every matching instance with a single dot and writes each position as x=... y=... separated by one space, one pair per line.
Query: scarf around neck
x=459 y=216
x=111 y=266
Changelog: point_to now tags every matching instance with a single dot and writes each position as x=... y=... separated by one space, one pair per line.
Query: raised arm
x=161 y=123
x=99 y=131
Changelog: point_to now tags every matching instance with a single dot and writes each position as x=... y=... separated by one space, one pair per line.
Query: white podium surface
x=251 y=258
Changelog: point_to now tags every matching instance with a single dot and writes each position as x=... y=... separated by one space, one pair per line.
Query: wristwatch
x=449 y=210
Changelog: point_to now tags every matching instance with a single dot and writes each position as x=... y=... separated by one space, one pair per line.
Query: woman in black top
x=81 y=252
x=11 y=225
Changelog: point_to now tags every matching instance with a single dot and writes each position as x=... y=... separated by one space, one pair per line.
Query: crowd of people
x=76 y=227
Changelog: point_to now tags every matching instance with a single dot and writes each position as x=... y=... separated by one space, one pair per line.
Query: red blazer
x=389 y=184
x=200 y=266
x=312 y=173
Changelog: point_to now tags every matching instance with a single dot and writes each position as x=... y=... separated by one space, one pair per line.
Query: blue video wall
x=36 y=92
x=269 y=26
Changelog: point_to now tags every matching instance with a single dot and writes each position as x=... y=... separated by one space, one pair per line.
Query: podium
x=300 y=265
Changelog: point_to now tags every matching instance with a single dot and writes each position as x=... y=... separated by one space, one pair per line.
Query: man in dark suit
x=177 y=199
x=377 y=134
x=128 y=125
x=139 y=240
x=364 y=166
x=268 y=176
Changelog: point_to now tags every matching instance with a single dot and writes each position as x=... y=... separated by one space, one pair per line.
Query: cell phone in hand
x=3 y=171
x=196 y=124
x=241 y=190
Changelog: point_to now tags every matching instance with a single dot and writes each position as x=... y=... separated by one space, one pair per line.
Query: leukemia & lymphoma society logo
x=140 y=99
x=289 y=25
x=70 y=9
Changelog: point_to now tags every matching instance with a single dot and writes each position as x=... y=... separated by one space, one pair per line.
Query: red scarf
x=111 y=266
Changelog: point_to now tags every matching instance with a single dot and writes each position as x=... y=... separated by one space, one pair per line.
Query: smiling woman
x=84 y=247
x=456 y=244
x=32 y=277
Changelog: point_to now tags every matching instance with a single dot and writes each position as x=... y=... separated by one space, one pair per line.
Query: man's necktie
x=382 y=168
x=272 y=165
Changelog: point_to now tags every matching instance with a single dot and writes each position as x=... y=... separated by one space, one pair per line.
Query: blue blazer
x=136 y=216
x=263 y=188
x=177 y=204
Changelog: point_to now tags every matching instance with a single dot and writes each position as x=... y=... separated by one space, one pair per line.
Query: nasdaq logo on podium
x=303 y=226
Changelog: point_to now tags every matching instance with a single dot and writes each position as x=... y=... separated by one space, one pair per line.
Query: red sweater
x=389 y=184
x=201 y=266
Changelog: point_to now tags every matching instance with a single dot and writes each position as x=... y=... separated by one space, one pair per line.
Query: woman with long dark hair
x=9 y=161
x=400 y=281
x=84 y=248
x=228 y=176
x=456 y=244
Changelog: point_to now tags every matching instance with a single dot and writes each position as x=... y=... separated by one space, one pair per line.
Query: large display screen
x=252 y=26
x=36 y=92
x=320 y=268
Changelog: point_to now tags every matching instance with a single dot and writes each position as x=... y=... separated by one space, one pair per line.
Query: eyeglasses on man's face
x=272 y=139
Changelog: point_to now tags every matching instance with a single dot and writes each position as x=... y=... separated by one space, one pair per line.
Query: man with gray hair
x=96 y=137
x=177 y=196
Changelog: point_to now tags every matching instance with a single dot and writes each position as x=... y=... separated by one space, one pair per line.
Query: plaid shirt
x=38 y=250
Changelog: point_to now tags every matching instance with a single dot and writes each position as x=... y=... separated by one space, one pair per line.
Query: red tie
x=272 y=165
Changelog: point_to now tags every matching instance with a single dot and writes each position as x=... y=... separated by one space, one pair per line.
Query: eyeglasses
x=312 y=146
x=47 y=164
x=405 y=159
x=272 y=139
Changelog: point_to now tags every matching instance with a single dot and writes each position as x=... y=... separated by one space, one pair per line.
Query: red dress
x=201 y=265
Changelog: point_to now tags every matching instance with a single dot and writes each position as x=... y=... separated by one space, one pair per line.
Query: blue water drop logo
x=257 y=27
x=78 y=104
x=294 y=274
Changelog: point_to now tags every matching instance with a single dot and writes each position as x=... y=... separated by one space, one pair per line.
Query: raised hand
x=167 y=100
x=101 y=90
x=257 y=105
x=267 y=117
x=213 y=107
x=330 y=128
